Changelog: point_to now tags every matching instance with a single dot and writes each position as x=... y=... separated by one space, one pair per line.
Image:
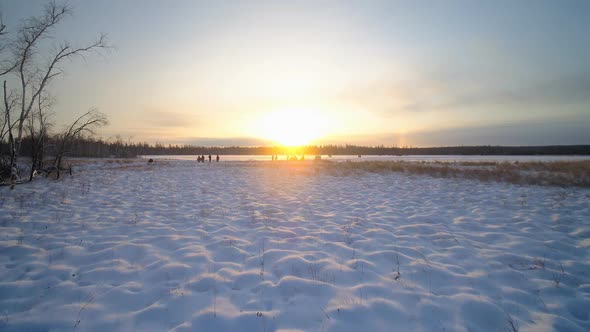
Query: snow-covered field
x=255 y=246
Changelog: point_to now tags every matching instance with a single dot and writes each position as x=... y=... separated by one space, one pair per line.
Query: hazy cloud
x=548 y=133
x=447 y=92
x=226 y=141
x=168 y=118
x=563 y=91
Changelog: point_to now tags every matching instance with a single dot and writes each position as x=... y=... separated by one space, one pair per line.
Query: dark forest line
x=99 y=148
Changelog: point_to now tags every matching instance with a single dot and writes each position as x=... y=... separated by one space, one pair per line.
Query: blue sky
x=419 y=73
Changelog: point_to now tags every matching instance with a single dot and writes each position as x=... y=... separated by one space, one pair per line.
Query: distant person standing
x=209 y=158
x=217 y=158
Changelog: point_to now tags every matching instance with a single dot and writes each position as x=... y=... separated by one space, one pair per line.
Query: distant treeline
x=120 y=149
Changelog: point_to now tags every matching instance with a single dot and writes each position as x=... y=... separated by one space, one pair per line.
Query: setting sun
x=293 y=127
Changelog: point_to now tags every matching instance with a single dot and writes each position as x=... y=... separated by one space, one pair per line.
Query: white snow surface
x=253 y=246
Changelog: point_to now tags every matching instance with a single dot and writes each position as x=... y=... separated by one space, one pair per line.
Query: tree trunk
x=33 y=164
x=33 y=153
x=12 y=143
x=58 y=166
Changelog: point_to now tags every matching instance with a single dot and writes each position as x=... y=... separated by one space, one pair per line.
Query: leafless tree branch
x=85 y=125
x=34 y=78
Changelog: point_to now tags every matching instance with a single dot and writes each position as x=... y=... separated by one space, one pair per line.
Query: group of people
x=290 y=157
x=201 y=158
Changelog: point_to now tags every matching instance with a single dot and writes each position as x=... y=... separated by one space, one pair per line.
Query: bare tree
x=6 y=65
x=38 y=127
x=8 y=103
x=34 y=77
x=83 y=126
x=6 y=170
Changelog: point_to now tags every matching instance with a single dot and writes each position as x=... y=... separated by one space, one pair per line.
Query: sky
x=405 y=73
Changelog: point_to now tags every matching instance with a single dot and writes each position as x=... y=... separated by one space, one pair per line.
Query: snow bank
x=249 y=247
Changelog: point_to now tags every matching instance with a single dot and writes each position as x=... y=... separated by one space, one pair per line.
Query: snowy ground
x=256 y=246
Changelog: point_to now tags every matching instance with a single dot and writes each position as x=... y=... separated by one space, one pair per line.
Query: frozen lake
x=428 y=158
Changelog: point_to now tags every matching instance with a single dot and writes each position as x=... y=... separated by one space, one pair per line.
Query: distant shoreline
x=346 y=150
x=118 y=149
x=361 y=158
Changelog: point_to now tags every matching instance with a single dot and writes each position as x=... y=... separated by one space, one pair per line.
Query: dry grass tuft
x=561 y=173
x=116 y=163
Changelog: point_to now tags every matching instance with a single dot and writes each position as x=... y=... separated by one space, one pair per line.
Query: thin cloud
x=168 y=119
x=225 y=141
x=439 y=93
